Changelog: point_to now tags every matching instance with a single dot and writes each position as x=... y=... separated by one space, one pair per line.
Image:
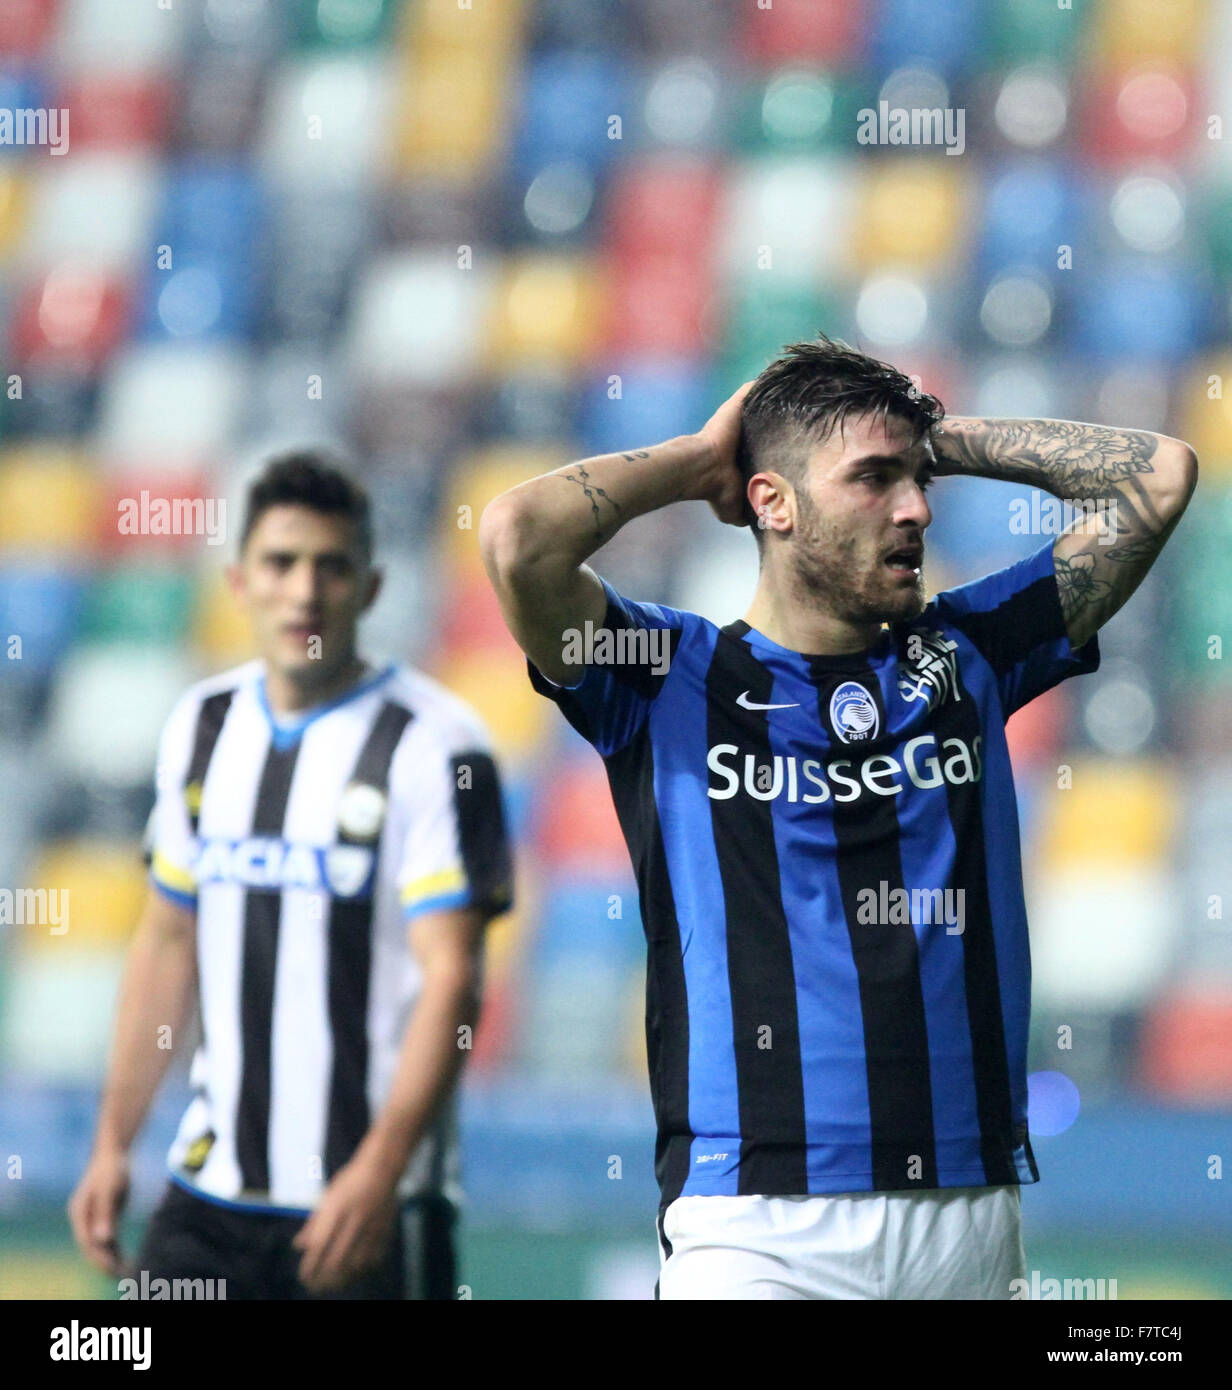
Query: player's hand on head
x=726 y=492
x=350 y=1229
x=94 y=1210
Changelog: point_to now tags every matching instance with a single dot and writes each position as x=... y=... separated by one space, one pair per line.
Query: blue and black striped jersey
x=828 y=862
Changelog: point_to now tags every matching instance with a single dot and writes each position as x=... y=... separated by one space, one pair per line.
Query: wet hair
x=811 y=390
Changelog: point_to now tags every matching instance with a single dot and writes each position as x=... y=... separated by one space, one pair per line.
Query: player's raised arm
x=1139 y=483
x=536 y=537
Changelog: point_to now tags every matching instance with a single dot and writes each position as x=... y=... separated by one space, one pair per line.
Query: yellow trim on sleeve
x=171 y=875
x=434 y=885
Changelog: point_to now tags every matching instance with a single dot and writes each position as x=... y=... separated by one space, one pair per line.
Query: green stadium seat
x=766 y=311
x=149 y=604
x=1203 y=640
x=800 y=109
x=343 y=23
x=1021 y=31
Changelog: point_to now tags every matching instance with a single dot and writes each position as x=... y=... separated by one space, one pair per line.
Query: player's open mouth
x=905 y=561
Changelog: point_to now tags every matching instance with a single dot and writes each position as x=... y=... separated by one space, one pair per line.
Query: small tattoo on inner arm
x=582 y=478
x=1077 y=585
x=636 y=454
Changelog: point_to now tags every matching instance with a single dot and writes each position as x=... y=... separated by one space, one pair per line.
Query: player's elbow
x=1176 y=476
x=511 y=540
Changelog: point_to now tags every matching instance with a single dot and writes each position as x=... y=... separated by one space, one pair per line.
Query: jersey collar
x=286 y=731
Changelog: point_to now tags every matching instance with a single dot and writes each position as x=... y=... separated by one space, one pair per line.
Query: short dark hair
x=808 y=392
x=313 y=478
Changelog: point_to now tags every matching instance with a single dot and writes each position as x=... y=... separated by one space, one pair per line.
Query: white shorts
x=953 y=1242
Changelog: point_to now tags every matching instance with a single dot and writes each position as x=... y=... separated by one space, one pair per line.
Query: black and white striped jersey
x=305 y=849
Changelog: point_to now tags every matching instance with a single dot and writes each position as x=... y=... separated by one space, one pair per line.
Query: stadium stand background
x=469 y=243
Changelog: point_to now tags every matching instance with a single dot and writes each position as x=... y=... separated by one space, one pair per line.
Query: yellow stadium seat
x=49 y=500
x=1127 y=31
x=477 y=479
x=1114 y=812
x=32 y=1272
x=1207 y=415
x=450 y=114
x=911 y=213
x=221 y=630
x=99 y=887
x=634 y=1049
x=546 y=311
x=13 y=203
x=495 y=684
x=506 y=939
x=479 y=24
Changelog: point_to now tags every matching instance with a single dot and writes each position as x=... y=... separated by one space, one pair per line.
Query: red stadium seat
x=661 y=303
x=663 y=203
x=473 y=620
x=579 y=828
x=1149 y=111
x=25 y=26
x=157 y=505
x=1187 y=1046
x=803 y=31
x=1033 y=733
x=73 y=316
x=117 y=110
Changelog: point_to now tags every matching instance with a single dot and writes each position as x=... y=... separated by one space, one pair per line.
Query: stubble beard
x=829 y=570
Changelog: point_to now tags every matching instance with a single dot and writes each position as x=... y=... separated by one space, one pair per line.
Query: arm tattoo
x=581 y=477
x=1112 y=468
x=636 y=454
x=1069 y=460
x=1078 y=584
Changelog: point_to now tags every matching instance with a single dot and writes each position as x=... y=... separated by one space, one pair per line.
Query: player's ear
x=771 y=498
x=235 y=580
x=376 y=578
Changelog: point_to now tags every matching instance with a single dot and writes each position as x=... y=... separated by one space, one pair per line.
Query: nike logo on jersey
x=745 y=703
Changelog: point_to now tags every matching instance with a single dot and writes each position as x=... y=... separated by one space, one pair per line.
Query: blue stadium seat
x=1139 y=309
x=659 y=399
x=204 y=298
x=911 y=33
x=41 y=603
x=212 y=207
x=1029 y=210
x=566 y=102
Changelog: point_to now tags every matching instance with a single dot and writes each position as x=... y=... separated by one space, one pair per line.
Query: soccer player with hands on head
x=819 y=806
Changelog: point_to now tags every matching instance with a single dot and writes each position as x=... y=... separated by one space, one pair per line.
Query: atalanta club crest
x=853 y=713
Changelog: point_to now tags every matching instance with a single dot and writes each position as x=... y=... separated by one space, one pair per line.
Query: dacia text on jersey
x=264 y=862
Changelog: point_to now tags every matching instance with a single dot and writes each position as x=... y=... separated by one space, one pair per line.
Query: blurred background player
x=465 y=246
x=819 y=805
x=328 y=846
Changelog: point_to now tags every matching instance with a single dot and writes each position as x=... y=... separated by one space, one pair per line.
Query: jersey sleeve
x=456 y=851
x=1013 y=617
x=170 y=837
x=625 y=663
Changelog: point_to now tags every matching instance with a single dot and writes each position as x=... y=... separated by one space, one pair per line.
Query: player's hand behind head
x=726 y=485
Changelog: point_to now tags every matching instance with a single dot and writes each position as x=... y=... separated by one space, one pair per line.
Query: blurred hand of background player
x=350 y=1230
x=95 y=1207
x=722 y=433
